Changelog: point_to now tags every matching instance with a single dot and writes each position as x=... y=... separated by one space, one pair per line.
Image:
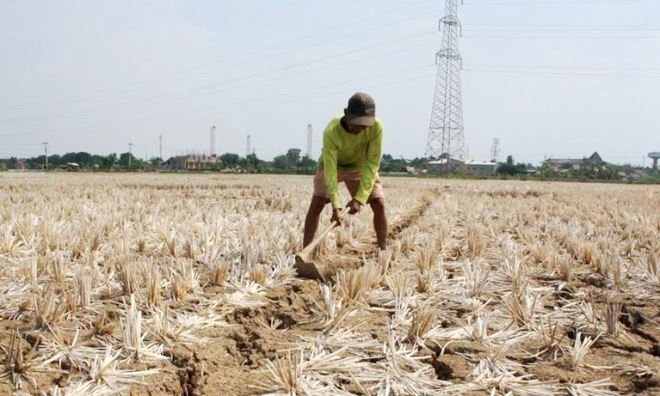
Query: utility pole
x=248 y=151
x=130 y=154
x=445 y=137
x=212 y=148
x=46 y=153
x=160 y=147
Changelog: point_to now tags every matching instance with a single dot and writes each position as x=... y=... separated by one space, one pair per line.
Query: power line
x=565 y=67
x=561 y=37
x=473 y=67
x=222 y=85
x=562 y=26
x=558 y=73
x=231 y=86
x=316 y=88
x=544 y=2
x=219 y=85
x=260 y=51
x=562 y=29
x=249 y=106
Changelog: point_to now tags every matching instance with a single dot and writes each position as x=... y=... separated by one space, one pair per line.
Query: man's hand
x=354 y=207
x=336 y=216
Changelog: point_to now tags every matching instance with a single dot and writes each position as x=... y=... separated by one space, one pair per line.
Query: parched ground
x=183 y=284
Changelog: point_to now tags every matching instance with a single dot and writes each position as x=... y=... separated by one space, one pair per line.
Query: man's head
x=360 y=113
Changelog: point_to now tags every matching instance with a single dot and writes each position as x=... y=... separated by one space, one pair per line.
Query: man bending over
x=351 y=154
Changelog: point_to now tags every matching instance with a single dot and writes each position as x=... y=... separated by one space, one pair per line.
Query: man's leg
x=380 y=221
x=312 y=218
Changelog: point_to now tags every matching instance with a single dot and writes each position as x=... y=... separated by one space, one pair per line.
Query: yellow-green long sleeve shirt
x=346 y=151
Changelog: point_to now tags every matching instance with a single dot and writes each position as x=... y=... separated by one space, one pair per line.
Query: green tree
x=54 y=160
x=390 y=164
x=230 y=160
x=37 y=162
x=281 y=162
x=11 y=162
x=307 y=164
x=252 y=163
x=96 y=161
x=293 y=156
x=134 y=162
x=418 y=162
x=109 y=161
x=507 y=168
x=290 y=160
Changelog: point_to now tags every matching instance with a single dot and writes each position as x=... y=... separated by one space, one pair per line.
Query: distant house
x=471 y=167
x=444 y=165
x=191 y=163
x=149 y=167
x=69 y=167
x=595 y=157
x=572 y=163
x=480 y=168
x=21 y=164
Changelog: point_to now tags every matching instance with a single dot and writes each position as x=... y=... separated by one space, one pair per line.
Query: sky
x=549 y=78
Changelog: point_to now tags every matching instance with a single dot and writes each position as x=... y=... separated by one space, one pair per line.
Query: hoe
x=304 y=266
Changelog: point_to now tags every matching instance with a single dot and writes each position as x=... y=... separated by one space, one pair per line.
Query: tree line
x=84 y=159
x=293 y=162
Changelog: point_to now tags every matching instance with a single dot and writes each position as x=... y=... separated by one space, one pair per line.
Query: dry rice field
x=184 y=285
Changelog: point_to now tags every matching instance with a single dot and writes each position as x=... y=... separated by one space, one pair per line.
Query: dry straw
x=493 y=264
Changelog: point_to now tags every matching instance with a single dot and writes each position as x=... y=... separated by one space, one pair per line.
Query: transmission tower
x=445 y=137
x=310 y=132
x=212 y=149
x=495 y=150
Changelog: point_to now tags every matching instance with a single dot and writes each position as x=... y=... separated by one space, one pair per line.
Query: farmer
x=351 y=154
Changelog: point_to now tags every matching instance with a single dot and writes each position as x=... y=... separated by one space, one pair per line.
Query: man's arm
x=370 y=166
x=330 y=150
